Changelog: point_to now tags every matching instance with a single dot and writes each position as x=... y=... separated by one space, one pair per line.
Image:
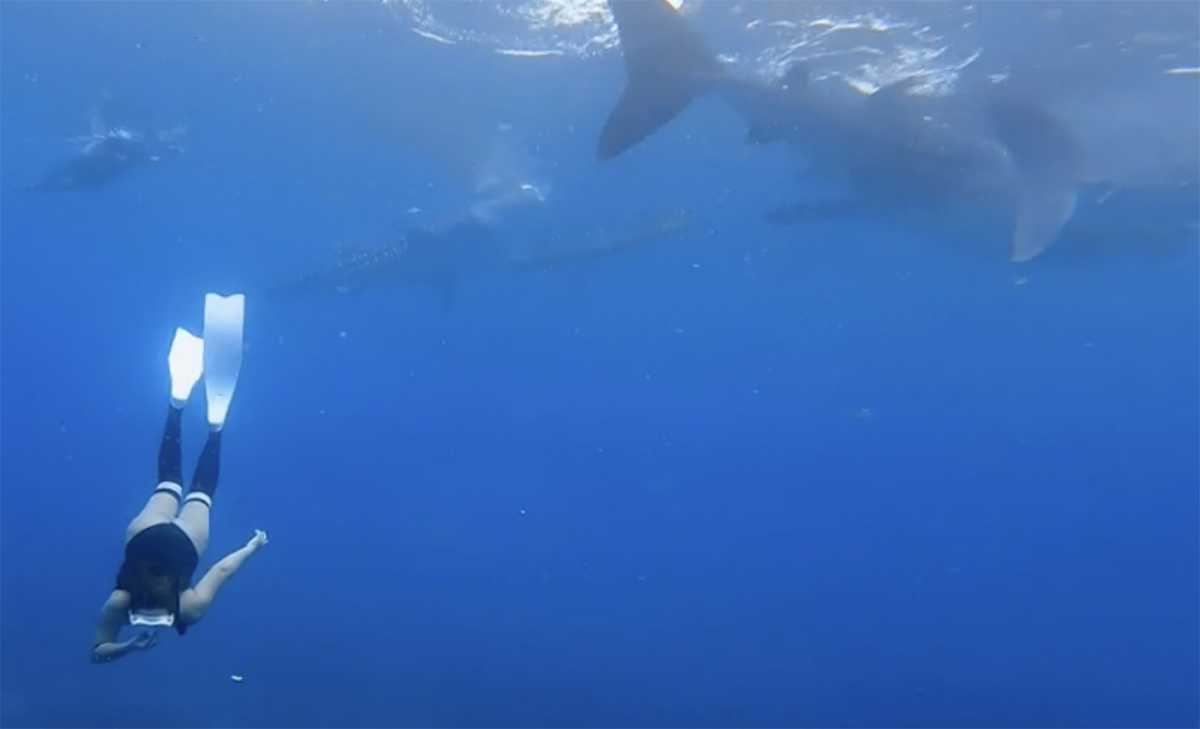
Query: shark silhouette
x=438 y=258
x=106 y=155
x=897 y=150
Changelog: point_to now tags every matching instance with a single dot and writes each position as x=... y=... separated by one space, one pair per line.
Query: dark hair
x=156 y=589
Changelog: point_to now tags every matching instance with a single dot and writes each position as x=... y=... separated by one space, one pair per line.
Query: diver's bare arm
x=105 y=646
x=106 y=652
x=194 y=603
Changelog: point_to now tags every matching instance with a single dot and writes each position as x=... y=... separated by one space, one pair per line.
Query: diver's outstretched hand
x=144 y=642
x=259 y=539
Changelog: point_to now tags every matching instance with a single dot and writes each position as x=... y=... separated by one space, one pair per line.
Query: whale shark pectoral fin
x=666 y=65
x=1042 y=211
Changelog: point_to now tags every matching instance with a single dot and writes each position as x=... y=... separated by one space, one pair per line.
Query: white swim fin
x=186 y=363
x=223 y=317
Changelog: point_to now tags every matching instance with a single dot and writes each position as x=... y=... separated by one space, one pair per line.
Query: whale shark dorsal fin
x=1042 y=211
x=666 y=66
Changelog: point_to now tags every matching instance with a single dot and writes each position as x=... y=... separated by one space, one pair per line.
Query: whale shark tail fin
x=667 y=66
x=1047 y=157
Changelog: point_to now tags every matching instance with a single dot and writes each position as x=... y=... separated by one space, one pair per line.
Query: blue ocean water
x=849 y=472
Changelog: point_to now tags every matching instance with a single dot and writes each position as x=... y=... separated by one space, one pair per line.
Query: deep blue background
x=751 y=476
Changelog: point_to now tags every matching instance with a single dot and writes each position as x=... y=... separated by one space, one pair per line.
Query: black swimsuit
x=166 y=550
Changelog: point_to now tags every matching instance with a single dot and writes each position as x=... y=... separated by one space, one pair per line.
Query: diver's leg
x=164 y=502
x=193 y=518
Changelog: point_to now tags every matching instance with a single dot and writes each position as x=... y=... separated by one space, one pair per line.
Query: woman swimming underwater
x=164 y=542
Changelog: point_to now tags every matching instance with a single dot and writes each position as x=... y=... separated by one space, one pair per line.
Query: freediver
x=164 y=542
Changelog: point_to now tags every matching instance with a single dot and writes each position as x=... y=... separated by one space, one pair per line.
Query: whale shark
x=108 y=153
x=472 y=243
x=894 y=151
